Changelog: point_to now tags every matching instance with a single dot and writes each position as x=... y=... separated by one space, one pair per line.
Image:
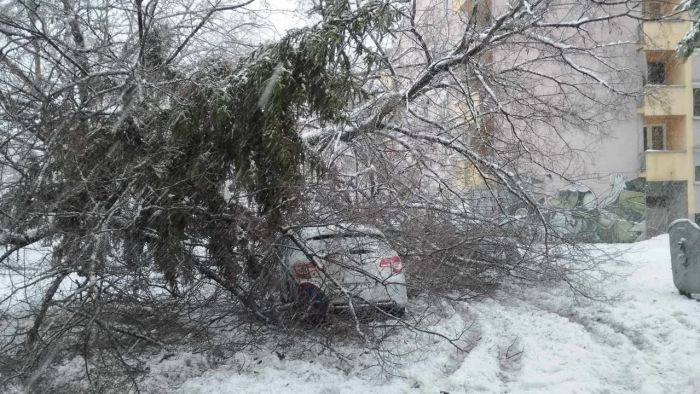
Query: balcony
x=663 y=35
x=666 y=100
x=664 y=165
x=459 y=5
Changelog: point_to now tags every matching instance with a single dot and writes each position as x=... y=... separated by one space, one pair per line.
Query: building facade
x=669 y=111
x=657 y=139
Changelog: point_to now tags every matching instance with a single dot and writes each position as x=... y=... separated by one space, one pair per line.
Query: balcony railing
x=666 y=100
x=663 y=35
x=664 y=165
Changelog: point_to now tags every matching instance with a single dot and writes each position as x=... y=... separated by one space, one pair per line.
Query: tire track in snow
x=494 y=361
x=457 y=358
x=602 y=328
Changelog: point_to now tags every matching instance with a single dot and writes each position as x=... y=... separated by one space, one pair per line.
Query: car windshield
x=343 y=235
x=349 y=243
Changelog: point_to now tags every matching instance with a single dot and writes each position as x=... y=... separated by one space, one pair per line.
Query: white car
x=329 y=266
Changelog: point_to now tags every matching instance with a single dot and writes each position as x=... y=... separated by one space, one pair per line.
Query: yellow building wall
x=666 y=166
x=689 y=143
x=468 y=5
x=459 y=5
x=663 y=35
x=661 y=100
x=469 y=174
x=671 y=104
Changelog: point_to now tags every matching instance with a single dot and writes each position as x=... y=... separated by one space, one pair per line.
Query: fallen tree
x=156 y=173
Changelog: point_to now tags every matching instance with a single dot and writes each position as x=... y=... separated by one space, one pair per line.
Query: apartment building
x=658 y=139
x=671 y=119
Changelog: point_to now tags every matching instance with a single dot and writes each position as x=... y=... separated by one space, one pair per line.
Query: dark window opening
x=697 y=173
x=657 y=138
x=652 y=9
x=360 y=251
x=696 y=101
x=656 y=73
x=654 y=137
x=657 y=201
x=343 y=235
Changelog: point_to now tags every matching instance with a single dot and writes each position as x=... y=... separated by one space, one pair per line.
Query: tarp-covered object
x=619 y=216
x=576 y=215
x=575 y=196
x=612 y=228
x=684 y=237
x=632 y=205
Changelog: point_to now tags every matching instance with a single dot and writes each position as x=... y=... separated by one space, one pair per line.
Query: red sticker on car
x=303 y=269
x=393 y=262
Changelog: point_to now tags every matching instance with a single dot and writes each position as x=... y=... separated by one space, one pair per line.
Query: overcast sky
x=284 y=14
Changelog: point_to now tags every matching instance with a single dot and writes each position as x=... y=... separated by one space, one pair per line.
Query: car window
x=344 y=235
x=345 y=244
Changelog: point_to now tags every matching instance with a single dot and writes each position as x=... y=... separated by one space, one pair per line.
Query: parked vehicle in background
x=328 y=267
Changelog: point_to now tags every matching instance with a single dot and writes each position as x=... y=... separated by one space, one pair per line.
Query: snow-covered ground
x=645 y=341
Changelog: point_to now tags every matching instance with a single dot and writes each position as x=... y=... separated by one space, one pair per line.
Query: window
x=697 y=166
x=656 y=73
x=657 y=201
x=652 y=9
x=480 y=11
x=654 y=137
x=696 y=101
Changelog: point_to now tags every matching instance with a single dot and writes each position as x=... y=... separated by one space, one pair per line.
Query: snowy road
x=646 y=341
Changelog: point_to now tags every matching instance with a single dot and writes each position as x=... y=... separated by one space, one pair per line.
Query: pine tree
x=687 y=45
